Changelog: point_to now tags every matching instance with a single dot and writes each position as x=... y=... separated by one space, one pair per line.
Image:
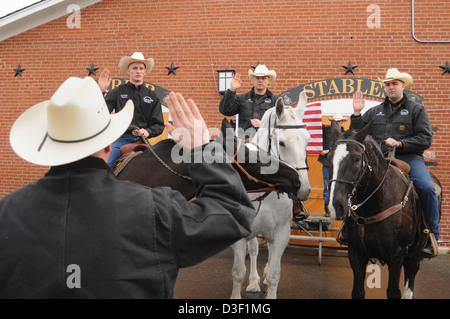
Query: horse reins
x=234 y=159
x=150 y=147
x=249 y=176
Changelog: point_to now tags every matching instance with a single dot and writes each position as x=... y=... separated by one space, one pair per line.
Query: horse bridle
x=365 y=164
x=286 y=127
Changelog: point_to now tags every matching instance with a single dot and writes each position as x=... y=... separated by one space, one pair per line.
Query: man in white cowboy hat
x=147 y=113
x=69 y=234
x=404 y=124
x=252 y=105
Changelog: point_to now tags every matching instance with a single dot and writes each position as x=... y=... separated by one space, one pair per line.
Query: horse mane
x=350 y=134
x=371 y=140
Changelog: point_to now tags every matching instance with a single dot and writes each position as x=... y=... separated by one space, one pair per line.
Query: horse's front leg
x=395 y=269
x=273 y=267
x=239 y=269
x=358 y=262
x=411 y=266
x=253 y=289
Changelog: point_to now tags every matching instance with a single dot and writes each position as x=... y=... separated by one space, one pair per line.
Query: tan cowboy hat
x=136 y=57
x=73 y=124
x=394 y=74
x=262 y=70
x=338 y=117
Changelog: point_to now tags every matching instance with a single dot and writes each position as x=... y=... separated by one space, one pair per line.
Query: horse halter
x=286 y=127
x=365 y=165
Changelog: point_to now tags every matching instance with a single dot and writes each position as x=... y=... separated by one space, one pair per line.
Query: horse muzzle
x=336 y=210
x=301 y=195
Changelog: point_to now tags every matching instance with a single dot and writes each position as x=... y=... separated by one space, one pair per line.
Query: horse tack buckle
x=361 y=220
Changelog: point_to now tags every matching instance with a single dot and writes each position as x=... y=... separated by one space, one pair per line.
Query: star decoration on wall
x=172 y=69
x=254 y=66
x=92 y=69
x=445 y=67
x=349 y=68
x=18 y=71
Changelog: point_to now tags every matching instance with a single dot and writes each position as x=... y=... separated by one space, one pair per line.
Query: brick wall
x=303 y=41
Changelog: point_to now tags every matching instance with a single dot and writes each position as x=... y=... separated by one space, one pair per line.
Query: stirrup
x=431 y=248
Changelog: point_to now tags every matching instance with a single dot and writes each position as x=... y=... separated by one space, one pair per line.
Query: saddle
x=133 y=147
x=401 y=165
x=128 y=152
x=406 y=169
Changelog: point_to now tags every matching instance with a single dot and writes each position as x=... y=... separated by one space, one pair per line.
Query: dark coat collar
x=87 y=162
x=268 y=93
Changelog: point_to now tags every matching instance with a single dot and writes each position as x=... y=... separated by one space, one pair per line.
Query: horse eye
x=282 y=144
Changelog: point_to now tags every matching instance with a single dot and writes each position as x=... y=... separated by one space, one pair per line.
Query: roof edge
x=37 y=14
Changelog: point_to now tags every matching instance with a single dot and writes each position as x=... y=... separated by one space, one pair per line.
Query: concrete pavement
x=303 y=278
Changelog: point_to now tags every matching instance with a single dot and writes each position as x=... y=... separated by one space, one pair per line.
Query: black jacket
x=248 y=107
x=147 y=107
x=327 y=143
x=127 y=240
x=408 y=123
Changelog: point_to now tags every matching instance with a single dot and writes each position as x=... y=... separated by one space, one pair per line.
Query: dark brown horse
x=164 y=165
x=383 y=213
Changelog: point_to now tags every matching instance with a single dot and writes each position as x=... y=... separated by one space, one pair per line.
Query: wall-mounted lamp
x=225 y=77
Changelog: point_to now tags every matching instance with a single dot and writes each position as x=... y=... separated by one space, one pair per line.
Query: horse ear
x=301 y=105
x=361 y=135
x=335 y=131
x=279 y=107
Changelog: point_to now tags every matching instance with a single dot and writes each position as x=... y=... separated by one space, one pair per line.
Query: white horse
x=283 y=134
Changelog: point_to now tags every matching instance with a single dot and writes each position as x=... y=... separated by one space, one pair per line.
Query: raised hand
x=188 y=129
x=236 y=81
x=104 y=80
x=358 y=102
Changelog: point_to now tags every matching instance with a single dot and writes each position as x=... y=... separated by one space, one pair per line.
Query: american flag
x=313 y=121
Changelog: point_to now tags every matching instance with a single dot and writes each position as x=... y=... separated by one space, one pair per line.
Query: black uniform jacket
x=248 y=106
x=408 y=123
x=147 y=107
x=117 y=239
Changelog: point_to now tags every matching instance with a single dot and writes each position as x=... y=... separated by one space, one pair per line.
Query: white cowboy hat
x=73 y=124
x=338 y=117
x=262 y=70
x=394 y=74
x=136 y=57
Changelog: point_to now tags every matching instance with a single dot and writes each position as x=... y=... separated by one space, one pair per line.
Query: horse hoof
x=252 y=295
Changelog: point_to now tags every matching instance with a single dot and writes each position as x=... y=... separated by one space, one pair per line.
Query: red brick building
x=304 y=41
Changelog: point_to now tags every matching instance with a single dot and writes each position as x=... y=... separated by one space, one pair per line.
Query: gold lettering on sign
x=320 y=84
x=309 y=90
x=374 y=87
x=348 y=84
x=334 y=88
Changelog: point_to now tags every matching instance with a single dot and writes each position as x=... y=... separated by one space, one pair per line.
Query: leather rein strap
x=249 y=176
x=361 y=221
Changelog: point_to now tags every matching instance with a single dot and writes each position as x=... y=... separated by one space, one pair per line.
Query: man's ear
x=104 y=153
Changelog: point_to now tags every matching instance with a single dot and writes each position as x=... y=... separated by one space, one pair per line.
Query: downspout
x=412 y=28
